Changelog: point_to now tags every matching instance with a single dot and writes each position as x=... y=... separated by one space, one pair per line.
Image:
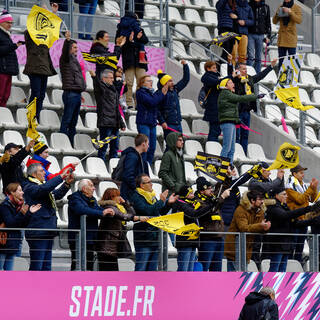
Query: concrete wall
x=272 y=138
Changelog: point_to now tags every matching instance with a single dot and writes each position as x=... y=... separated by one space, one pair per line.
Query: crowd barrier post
x=83 y=242
x=78 y=251
x=256 y=91
x=165 y=250
x=302 y=131
x=243 y=253
x=161 y=247
x=314 y=253
x=168 y=42
x=237 y=251
x=70 y=13
x=161 y=27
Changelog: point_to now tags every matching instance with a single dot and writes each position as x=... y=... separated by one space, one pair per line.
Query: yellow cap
x=163 y=77
x=223 y=83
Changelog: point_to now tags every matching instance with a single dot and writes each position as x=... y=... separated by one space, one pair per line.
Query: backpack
x=117 y=172
x=202 y=97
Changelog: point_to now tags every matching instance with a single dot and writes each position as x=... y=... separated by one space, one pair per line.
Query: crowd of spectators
x=270 y=206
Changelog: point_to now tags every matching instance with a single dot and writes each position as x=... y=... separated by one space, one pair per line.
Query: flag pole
x=86 y=156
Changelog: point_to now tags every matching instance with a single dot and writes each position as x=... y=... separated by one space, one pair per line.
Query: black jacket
x=256 y=305
x=262 y=22
x=130 y=52
x=8 y=57
x=71 y=73
x=99 y=49
x=107 y=99
x=11 y=171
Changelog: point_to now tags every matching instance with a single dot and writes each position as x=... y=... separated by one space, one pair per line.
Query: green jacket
x=228 y=105
x=171 y=170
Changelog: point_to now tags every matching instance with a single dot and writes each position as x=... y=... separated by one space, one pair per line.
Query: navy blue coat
x=80 y=205
x=12 y=219
x=127 y=24
x=46 y=217
x=210 y=80
x=8 y=57
x=223 y=11
x=148 y=106
x=170 y=109
x=245 y=13
x=133 y=166
x=144 y=234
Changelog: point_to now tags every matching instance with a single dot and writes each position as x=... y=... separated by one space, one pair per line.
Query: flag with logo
x=43 y=26
x=224 y=37
x=32 y=121
x=287 y=89
x=174 y=223
x=213 y=166
x=287 y=157
x=98 y=144
x=111 y=61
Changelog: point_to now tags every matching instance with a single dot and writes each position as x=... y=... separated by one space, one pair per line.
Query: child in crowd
x=129 y=24
x=121 y=87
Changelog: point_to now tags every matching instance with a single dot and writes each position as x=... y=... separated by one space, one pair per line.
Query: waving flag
x=43 y=26
x=224 y=37
x=100 y=143
x=287 y=157
x=32 y=121
x=290 y=96
x=111 y=61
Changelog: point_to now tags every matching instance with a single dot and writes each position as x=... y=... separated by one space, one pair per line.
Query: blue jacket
x=210 y=80
x=127 y=24
x=80 y=205
x=46 y=217
x=148 y=106
x=12 y=219
x=245 y=13
x=144 y=234
x=133 y=166
x=223 y=12
x=170 y=110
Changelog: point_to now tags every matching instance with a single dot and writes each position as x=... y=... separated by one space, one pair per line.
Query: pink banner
x=152 y=295
x=156 y=56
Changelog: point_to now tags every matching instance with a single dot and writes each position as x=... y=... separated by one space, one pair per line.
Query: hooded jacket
x=170 y=110
x=245 y=219
x=261 y=14
x=256 y=305
x=265 y=185
x=244 y=12
x=210 y=81
x=172 y=171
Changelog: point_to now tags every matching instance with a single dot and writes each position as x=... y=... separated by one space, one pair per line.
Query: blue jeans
x=38 y=84
x=84 y=22
x=151 y=133
x=214 y=131
x=229 y=140
x=255 y=44
x=186 y=258
x=283 y=51
x=7 y=261
x=211 y=254
x=40 y=254
x=114 y=144
x=278 y=262
x=146 y=259
x=173 y=126
x=242 y=134
x=72 y=103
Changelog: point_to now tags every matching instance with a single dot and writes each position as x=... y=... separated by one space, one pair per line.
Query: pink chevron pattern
x=156 y=56
x=297 y=294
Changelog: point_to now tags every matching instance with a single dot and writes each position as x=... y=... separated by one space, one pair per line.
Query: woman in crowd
x=14 y=213
x=112 y=241
x=148 y=112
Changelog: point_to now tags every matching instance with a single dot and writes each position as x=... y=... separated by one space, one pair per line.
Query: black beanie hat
x=184 y=191
x=202 y=184
x=39 y=147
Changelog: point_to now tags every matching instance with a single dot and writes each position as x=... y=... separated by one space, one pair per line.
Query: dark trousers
x=107 y=262
x=38 y=84
x=214 y=131
x=40 y=254
x=114 y=144
x=5 y=89
x=283 y=51
x=298 y=244
x=256 y=251
x=72 y=103
x=89 y=256
x=242 y=134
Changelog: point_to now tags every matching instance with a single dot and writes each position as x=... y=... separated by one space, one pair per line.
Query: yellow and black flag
x=32 y=121
x=213 y=166
x=290 y=96
x=98 y=144
x=110 y=61
x=43 y=26
x=224 y=37
x=287 y=157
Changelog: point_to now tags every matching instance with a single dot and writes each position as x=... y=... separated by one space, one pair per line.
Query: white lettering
x=114 y=292
x=97 y=302
x=148 y=301
x=136 y=299
x=88 y=290
x=74 y=310
x=121 y=300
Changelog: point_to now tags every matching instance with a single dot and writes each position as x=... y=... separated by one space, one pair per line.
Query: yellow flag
x=287 y=157
x=43 y=26
x=174 y=223
x=32 y=121
x=290 y=96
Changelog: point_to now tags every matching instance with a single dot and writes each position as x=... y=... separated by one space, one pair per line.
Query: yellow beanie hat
x=223 y=83
x=163 y=77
